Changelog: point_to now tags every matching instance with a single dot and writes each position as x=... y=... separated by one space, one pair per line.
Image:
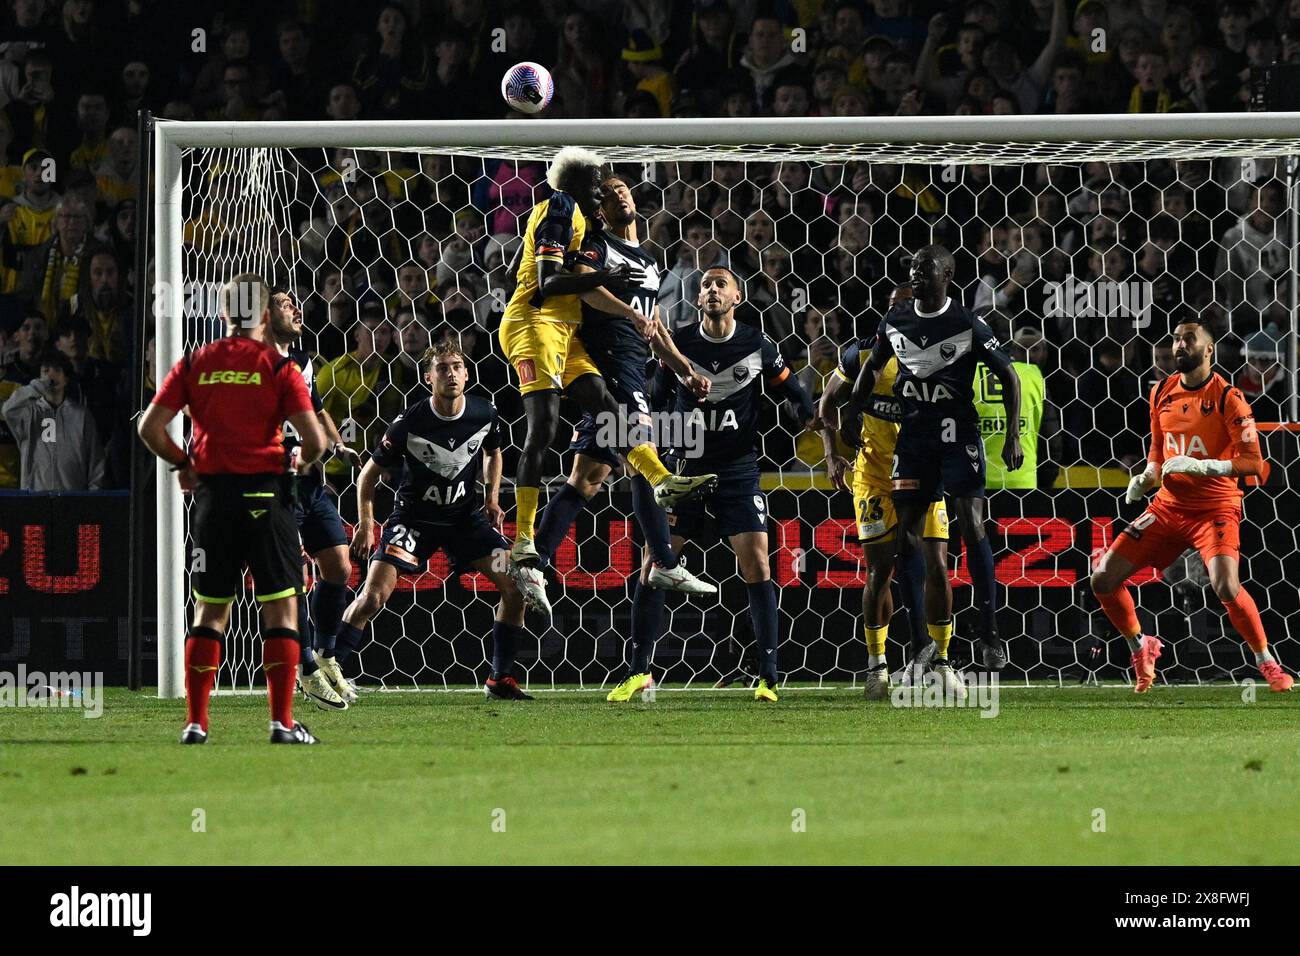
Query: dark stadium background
x=76 y=75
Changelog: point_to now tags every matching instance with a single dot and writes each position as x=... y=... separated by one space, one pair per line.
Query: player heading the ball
x=539 y=338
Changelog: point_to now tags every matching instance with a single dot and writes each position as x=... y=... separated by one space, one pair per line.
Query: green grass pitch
x=1186 y=775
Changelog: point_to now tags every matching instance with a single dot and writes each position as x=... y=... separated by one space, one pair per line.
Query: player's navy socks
x=505 y=643
x=647 y=623
x=984 y=586
x=328 y=602
x=910 y=571
x=654 y=524
x=306 y=639
x=561 y=510
x=347 y=642
x=762 y=611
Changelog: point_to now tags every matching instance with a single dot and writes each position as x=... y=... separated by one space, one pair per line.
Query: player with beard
x=719 y=431
x=939 y=449
x=621 y=354
x=538 y=336
x=1203 y=442
x=320 y=527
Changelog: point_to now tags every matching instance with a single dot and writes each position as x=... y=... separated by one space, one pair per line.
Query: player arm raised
x=552 y=279
x=601 y=299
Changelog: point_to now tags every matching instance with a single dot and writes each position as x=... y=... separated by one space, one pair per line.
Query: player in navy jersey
x=717 y=434
x=319 y=526
x=621 y=353
x=939 y=449
x=444 y=446
x=868 y=479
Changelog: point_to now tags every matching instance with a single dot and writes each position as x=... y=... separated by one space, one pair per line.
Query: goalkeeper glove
x=1202 y=467
x=1139 y=485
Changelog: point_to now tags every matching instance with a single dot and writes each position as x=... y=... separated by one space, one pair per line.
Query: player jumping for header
x=939 y=449
x=539 y=338
x=621 y=353
x=1203 y=439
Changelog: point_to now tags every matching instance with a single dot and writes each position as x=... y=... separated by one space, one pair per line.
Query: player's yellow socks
x=876 y=637
x=942 y=635
x=645 y=461
x=525 y=511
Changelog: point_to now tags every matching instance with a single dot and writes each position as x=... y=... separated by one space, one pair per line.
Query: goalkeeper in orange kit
x=1203 y=439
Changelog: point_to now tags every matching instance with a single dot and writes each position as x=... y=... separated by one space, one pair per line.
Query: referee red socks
x=202 y=658
x=280 y=662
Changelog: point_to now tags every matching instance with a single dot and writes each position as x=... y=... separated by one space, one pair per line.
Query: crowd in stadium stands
x=402 y=249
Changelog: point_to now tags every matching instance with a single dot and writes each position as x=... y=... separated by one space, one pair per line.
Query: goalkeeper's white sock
x=1134 y=643
x=1262 y=656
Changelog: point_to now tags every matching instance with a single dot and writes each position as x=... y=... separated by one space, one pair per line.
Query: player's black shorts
x=319 y=524
x=245 y=521
x=626 y=382
x=735 y=506
x=407 y=544
x=926 y=467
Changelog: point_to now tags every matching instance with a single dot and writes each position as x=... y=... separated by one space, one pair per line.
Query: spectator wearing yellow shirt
x=116 y=175
x=102 y=307
x=28 y=221
x=51 y=270
x=92 y=120
x=644 y=59
x=356 y=388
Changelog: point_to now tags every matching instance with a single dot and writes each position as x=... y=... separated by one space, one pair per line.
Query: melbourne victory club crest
x=740 y=373
x=948 y=351
x=973 y=452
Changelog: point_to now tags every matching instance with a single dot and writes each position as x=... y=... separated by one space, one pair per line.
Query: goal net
x=1080 y=240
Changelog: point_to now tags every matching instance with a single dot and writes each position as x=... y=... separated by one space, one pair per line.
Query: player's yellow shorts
x=544 y=354
x=873 y=510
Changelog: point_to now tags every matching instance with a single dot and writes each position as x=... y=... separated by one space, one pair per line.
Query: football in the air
x=527 y=87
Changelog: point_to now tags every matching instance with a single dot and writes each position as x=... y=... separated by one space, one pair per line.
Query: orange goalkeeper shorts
x=1161 y=533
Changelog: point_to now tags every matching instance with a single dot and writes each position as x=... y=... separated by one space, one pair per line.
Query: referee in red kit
x=239 y=391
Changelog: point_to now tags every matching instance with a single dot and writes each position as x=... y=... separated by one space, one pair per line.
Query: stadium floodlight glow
x=232 y=197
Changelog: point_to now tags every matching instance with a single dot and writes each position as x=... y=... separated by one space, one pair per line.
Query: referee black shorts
x=245 y=521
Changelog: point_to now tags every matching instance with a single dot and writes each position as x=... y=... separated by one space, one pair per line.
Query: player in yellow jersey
x=539 y=338
x=873 y=508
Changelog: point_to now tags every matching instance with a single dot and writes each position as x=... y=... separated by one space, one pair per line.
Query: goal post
x=255 y=174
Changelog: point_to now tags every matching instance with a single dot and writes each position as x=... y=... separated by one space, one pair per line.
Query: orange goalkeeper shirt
x=1210 y=421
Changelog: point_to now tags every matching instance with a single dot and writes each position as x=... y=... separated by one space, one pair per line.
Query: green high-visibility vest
x=993 y=424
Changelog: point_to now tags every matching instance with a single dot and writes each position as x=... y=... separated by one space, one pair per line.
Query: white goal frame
x=995 y=140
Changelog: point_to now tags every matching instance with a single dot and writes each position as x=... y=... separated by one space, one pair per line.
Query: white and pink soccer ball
x=527 y=87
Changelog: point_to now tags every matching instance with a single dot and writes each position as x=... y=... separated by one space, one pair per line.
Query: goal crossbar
x=994 y=140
